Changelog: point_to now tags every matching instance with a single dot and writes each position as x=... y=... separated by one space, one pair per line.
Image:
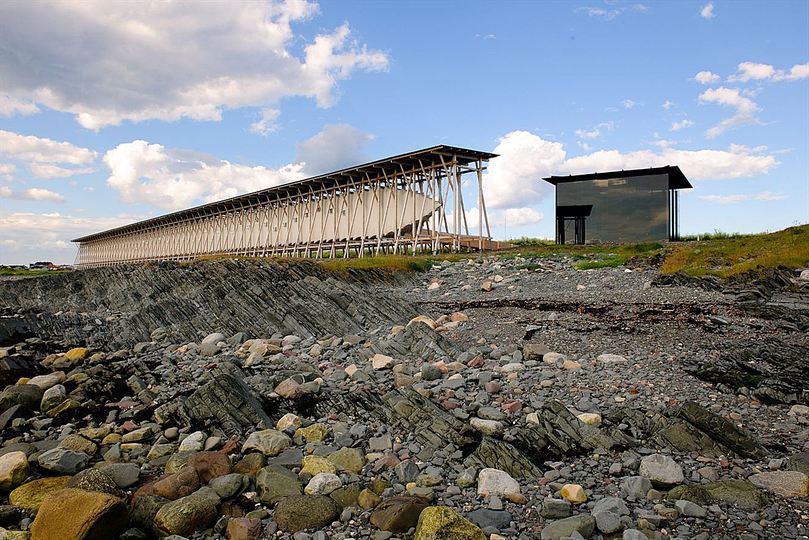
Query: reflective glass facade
x=634 y=209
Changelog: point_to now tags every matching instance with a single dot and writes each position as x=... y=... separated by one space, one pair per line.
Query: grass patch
x=718 y=254
x=608 y=262
x=28 y=273
x=732 y=255
x=382 y=262
x=715 y=235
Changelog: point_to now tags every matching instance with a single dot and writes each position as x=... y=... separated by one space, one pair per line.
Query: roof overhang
x=677 y=179
x=390 y=166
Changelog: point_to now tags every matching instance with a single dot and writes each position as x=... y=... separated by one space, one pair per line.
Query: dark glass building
x=640 y=205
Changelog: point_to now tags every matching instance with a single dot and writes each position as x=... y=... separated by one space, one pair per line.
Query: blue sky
x=137 y=109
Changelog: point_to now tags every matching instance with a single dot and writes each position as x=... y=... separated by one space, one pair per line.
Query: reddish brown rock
x=398 y=514
x=177 y=485
x=210 y=465
x=243 y=529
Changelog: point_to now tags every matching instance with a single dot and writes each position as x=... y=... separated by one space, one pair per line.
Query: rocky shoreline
x=495 y=398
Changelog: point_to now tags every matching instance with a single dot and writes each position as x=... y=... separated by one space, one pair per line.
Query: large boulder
x=584 y=524
x=269 y=442
x=62 y=460
x=661 y=470
x=398 y=514
x=496 y=482
x=739 y=493
x=52 y=397
x=177 y=485
x=483 y=517
x=790 y=484
x=275 y=482
x=96 y=480
x=187 y=514
x=80 y=515
x=209 y=465
x=444 y=523
x=145 y=508
x=348 y=459
x=29 y=395
x=31 y=494
x=13 y=470
x=300 y=512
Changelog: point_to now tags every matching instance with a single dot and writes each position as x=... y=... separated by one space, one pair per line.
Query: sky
x=135 y=109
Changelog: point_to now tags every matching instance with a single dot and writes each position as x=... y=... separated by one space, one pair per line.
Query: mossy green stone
x=740 y=493
x=348 y=459
x=313 y=465
x=313 y=433
x=346 y=495
x=444 y=523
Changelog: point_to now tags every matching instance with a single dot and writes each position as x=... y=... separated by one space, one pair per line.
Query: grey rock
x=583 y=524
x=607 y=522
x=688 y=508
x=635 y=487
x=229 y=485
x=634 y=534
x=556 y=508
x=613 y=505
x=275 y=482
x=662 y=470
x=484 y=518
x=300 y=512
x=123 y=474
x=62 y=460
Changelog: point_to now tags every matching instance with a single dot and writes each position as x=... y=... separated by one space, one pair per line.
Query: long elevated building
x=402 y=204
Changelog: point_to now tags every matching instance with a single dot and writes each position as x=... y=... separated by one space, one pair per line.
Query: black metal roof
x=677 y=179
x=386 y=166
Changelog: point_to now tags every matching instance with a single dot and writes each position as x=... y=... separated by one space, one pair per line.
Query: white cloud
x=335 y=147
x=707 y=11
x=695 y=164
x=668 y=104
x=500 y=218
x=173 y=179
x=267 y=124
x=31 y=194
x=29 y=236
x=514 y=180
x=798 y=71
x=682 y=124
x=734 y=198
x=10 y=106
x=43 y=170
x=613 y=12
x=169 y=60
x=628 y=103
x=40 y=150
x=753 y=71
x=7 y=170
x=746 y=109
x=706 y=77
x=521 y=217
x=595 y=131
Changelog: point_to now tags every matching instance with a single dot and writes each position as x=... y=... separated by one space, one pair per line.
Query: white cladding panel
x=365 y=214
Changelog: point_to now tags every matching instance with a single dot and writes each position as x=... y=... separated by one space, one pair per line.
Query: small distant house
x=640 y=205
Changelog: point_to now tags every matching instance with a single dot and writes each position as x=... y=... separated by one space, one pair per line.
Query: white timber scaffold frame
x=403 y=204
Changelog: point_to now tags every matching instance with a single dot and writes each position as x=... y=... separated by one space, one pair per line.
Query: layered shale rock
x=108 y=308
